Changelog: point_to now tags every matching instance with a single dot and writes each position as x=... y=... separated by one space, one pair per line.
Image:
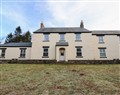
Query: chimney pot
x=41 y=25
x=81 y=24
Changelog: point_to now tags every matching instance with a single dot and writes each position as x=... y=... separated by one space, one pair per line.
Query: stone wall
x=15 y=61
x=94 y=61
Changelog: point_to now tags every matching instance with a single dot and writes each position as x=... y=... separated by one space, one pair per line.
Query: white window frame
x=119 y=39
x=45 y=53
x=78 y=36
x=2 y=53
x=101 y=39
x=62 y=37
x=102 y=52
x=46 y=37
x=78 y=52
x=22 y=52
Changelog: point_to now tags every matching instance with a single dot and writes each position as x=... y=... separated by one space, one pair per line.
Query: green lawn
x=46 y=79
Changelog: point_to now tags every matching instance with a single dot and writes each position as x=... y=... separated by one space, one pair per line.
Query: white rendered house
x=63 y=44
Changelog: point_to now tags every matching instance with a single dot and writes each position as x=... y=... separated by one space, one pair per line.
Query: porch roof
x=61 y=43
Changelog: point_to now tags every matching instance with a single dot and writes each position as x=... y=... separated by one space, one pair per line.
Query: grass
x=54 y=79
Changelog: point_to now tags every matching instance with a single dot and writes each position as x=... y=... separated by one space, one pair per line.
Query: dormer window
x=46 y=37
x=62 y=37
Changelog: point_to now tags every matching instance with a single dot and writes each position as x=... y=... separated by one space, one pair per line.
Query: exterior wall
x=87 y=50
x=89 y=43
x=111 y=42
x=38 y=43
x=14 y=53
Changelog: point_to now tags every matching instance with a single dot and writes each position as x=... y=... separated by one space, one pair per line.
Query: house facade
x=64 y=44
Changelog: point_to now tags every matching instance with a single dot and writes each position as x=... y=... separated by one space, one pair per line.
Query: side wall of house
x=14 y=53
x=111 y=43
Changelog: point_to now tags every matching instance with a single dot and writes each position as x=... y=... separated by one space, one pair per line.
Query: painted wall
x=38 y=43
x=88 y=42
x=111 y=42
x=14 y=53
x=89 y=45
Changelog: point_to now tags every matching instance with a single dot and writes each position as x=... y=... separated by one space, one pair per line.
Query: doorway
x=62 y=54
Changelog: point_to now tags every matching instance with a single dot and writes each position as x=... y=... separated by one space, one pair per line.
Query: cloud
x=96 y=15
x=13 y=12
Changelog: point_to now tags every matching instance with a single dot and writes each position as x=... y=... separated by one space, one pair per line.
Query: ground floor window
x=45 y=51
x=102 y=52
x=78 y=51
x=2 y=52
x=22 y=52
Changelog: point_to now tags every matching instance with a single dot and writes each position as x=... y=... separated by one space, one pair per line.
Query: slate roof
x=77 y=30
x=19 y=44
x=62 y=43
x=62 y=30
x=107 y=32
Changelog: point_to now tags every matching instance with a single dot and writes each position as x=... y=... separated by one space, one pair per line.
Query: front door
x=62 y=54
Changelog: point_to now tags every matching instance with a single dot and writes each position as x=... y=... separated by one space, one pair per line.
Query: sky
x=28 y=14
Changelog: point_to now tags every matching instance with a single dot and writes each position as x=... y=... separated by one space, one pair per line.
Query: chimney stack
x=41 y=25
x=81 y=24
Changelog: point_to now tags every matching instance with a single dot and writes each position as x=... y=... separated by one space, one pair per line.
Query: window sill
x=101 y=42
x=45 y=56
x=21 y=57
x=61 y=40
x=2 y=57
x=78 y=40
x=103 y=57
x=79 y=56
x=45 y=40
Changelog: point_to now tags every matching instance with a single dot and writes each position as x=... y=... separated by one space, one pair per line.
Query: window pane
x=101 y=39
x=45 y=54
x=22 y=52
x=2 y=52
x=45 y=51
x=62 y=37
x=78 y=52
x=46 y=37
x=102 y=53
x=77 y=36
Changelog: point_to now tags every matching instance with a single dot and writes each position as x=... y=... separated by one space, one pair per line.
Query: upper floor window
x=2 y=52
x=45 y=51
x=78 y=51
x=102 y=52
x=46 y=37
x=119 y=38
x=22 y=52
x=78 y=37
x=101 y=40
x=62 y=37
